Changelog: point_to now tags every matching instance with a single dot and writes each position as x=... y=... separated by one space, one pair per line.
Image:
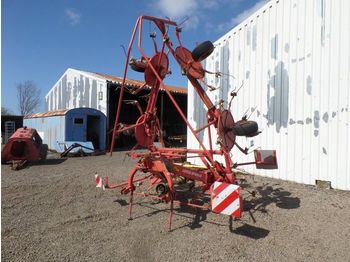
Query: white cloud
x=241 y=17
x=225 y=26
x=73 y=16
x=178 y=8
x=196 y=11
x=210 y=3
x=192 y=22
x=245 y=14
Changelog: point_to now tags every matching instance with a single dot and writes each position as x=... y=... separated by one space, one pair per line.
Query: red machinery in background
x=162 y=169
x=24 y=145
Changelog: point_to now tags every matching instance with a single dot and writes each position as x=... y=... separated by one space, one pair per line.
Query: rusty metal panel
x=61 y=112
x=293 y=58
x=139 y=84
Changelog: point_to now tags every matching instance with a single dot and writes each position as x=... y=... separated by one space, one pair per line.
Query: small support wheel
x=245 y=128
x=202 y=51
x=137 y=65
x=43 y=151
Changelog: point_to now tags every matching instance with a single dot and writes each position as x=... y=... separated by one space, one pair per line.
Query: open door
x=93 y=130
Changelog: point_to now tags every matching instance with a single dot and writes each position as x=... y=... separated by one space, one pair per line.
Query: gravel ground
x=52 y=212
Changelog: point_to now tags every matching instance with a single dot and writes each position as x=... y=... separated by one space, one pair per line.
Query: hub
x=162 y=189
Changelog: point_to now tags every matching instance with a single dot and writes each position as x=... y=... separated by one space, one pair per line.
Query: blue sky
x=40 y=39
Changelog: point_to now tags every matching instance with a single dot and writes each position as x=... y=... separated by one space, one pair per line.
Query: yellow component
x=189 y=165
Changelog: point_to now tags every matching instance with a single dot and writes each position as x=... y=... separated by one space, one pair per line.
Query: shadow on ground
x=264 y=196
x=50 y=161
x=267 y=195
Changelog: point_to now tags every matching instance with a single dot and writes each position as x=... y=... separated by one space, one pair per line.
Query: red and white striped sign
x=99 y=182
x=225 y=199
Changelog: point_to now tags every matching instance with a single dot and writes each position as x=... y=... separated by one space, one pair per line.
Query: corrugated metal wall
x=50 y=129
x=293 y=58
x=60 y=128
x=77 y=89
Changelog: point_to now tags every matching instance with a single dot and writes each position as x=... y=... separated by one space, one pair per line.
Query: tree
x=28 y=95
x=5 y=111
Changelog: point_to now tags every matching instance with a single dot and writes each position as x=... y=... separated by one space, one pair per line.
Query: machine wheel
x=137 y=68
x=245 y=128
x=137 y=65
x=202 y=51
x=43 y=151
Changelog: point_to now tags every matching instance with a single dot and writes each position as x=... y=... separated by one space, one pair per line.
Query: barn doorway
x=173 y=126
x=93 y=130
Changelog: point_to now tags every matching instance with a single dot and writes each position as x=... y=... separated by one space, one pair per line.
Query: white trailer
x=293 y=58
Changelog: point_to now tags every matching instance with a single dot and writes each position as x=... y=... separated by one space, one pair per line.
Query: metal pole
x=161 y=111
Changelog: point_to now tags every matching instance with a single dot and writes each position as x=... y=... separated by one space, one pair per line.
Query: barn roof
x=138 y=83
x=117 y=80
x=60 y=112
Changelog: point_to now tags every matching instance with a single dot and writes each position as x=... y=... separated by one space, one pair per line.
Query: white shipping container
x=293 y=58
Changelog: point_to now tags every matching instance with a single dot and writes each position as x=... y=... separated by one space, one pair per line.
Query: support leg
x=130 y=204
x=171 y=213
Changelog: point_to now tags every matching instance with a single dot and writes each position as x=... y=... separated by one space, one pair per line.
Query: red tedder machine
x=161 y=169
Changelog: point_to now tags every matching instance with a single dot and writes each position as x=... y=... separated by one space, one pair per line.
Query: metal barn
x=78 y=125
x=77 y=88
x=293 y=59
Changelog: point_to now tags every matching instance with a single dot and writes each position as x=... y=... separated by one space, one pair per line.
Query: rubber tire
x=202 y=51
x=43 y=151
x=137 y=68
x=245 y=128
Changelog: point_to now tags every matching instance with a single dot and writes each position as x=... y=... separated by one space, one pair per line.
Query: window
x=78 y=121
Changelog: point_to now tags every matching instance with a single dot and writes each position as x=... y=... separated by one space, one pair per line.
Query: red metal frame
x=159 y=163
